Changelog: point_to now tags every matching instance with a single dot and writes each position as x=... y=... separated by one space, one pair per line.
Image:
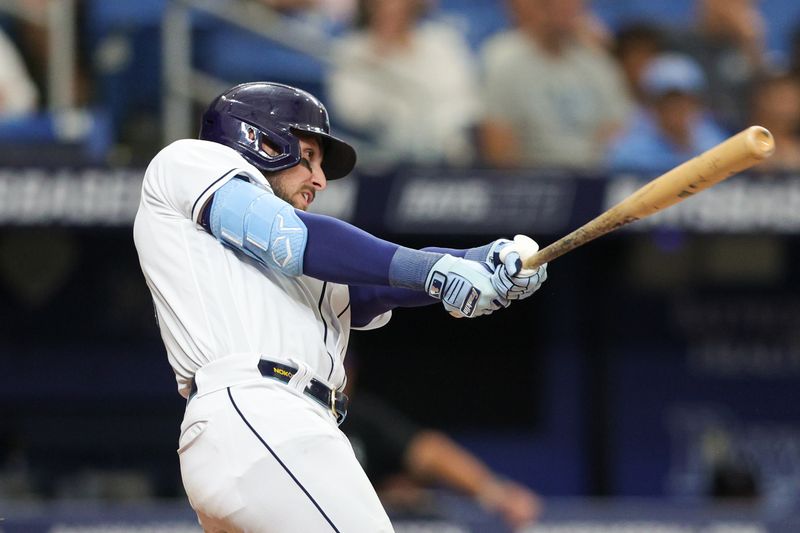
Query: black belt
x=331 y=399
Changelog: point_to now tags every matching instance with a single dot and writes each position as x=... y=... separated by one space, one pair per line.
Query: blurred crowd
x=557 y=87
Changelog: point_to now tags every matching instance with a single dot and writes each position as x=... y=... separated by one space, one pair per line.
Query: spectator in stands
x=18 y=94
x=402 y=459
x=775 y=104
x=553 y=100
x=728 y=43
x=635 y=45
x=406 y=84
x=674 y=126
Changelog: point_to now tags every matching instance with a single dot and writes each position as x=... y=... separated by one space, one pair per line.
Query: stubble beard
x=279 y=190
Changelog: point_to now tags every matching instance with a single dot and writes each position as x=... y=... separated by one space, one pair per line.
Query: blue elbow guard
x=261 y=225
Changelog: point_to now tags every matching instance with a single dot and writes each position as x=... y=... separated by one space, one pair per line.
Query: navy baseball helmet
x=251 y=114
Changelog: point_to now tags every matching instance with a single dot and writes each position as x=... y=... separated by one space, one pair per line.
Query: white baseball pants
x=257 y=455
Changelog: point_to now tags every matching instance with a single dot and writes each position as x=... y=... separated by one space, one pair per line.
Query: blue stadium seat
x=480 y=18
x=125 y=40
x=236 y=55
x=88 y=131
x=112 y=14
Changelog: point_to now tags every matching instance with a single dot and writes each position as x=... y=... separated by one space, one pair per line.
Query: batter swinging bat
x=729 y=157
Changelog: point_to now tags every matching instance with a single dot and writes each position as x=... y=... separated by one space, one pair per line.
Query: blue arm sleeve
x=339 y=252
x=479 y=253
x=367 y=302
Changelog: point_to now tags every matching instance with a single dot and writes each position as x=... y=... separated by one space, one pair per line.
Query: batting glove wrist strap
x=487 y=252
x=409 y=268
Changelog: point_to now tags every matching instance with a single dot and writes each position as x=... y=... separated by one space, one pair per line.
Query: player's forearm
x=479 y=253
x=342 y=253
x=293 y=242
x=367 y=302
x=434 y=457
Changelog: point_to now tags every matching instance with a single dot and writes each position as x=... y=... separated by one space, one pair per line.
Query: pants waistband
x=330 y=398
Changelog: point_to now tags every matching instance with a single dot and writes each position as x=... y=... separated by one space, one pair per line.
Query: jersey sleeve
x=376 y=322
x=183 y=176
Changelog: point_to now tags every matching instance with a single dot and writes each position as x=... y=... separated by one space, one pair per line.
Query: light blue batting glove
x=510 y=280
x=465 y=287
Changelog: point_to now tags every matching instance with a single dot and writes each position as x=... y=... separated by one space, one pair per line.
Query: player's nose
x=318 y=179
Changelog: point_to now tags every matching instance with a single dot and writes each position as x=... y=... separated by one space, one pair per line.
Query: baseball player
x=255 y=298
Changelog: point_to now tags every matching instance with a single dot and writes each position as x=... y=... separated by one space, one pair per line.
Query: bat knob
x=760 y=142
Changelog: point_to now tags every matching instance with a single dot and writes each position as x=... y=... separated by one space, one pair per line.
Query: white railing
x=57 y=17
x=185 y=85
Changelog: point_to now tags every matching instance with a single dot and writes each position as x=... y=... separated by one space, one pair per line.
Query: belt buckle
x=332 y=404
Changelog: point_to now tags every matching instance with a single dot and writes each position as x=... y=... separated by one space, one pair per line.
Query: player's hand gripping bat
x=729 y=157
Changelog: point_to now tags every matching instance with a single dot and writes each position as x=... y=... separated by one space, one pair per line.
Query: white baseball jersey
x=212 y=301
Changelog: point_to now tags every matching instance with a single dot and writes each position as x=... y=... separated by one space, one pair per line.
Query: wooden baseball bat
x=729 y=157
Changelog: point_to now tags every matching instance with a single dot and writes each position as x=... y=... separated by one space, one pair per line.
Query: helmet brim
x=339 y=157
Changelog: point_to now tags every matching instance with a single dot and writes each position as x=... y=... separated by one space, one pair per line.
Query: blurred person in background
x=403 y=460
x=18 y=93
x=408 y=83
x=674 y=125
x=793 y=61
x=33 y=37
x=727 y=40
x=635 y=45
x=553 y=99
x=775 y=104
x=335 y=11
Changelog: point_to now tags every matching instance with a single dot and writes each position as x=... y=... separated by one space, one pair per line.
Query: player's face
x=299 y=185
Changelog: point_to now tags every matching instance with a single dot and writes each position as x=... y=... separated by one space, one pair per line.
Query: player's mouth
x=308 y=197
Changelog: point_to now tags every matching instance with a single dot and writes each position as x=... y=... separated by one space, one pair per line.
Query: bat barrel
x=730 y=157
x=759 y=141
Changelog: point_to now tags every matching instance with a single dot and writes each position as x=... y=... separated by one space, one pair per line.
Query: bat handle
x=541 y=257
x=533 y=261
x=558 y=248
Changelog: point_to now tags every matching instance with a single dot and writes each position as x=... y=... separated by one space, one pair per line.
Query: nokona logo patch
x=470 y=301
x=282 y=372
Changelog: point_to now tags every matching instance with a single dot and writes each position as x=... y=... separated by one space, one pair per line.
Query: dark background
x=587 y=375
